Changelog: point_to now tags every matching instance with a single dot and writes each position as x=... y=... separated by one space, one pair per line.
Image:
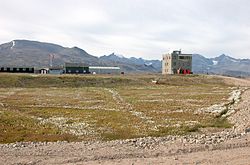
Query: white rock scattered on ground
x=231 y=146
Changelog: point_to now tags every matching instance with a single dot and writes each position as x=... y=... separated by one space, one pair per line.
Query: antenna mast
x=51 y=58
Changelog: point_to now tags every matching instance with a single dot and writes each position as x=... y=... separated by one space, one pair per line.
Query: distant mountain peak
x=223 y=65
x=78 y=49
x=36 y=54
x=133 y=64
x=224 y=58
x=223 y=55
x=117 y=55
x=75 y=47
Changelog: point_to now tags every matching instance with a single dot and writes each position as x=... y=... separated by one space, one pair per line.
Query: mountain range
x=222 y=65
x=37 y=54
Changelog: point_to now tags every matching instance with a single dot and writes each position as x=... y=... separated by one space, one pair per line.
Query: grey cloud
x=146 y=28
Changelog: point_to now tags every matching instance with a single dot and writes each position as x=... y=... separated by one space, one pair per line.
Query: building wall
x=105 y=70
x=56 y=71
x=166 y=64
x=16 y=69
x=185 y=62
x=76 y=70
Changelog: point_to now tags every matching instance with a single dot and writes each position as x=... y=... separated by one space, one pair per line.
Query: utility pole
x=51 y=58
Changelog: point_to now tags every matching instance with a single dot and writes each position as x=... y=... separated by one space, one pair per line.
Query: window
x=185 y=57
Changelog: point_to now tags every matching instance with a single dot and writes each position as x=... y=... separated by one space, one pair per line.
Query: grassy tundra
x=76 y=108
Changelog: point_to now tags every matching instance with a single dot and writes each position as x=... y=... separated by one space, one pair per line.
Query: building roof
x=68 y=64
x=16 y=66
x=185 y=54
x=177 y=52
x=56 y=68
x=104 y=67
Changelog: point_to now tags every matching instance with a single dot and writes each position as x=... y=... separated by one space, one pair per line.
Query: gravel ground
x=231 y=146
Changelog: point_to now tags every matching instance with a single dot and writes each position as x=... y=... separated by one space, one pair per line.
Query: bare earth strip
x=164 y=150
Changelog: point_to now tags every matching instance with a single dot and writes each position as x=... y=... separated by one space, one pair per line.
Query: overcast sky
x=140 y=28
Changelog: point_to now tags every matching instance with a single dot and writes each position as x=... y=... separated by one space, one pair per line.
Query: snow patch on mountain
x=233 y=60
x=215 y=62
x=148 y=64
x=13 y=44
x=119 y=55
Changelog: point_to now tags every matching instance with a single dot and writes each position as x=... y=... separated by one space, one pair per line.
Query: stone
x=247 y=130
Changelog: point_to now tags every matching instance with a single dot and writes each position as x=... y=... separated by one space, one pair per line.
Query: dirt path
x=125 y=106
x=165 y=150
x=236 y=81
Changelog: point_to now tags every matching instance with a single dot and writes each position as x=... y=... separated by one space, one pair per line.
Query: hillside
x=133 y=64
x=33 y=53
x=223 y=65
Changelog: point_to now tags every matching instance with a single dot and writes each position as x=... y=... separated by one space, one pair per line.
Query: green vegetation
x=66 y=81
x=87 y=107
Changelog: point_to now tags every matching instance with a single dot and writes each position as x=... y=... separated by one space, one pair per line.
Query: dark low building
x=76 y=68
x=17 y=69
